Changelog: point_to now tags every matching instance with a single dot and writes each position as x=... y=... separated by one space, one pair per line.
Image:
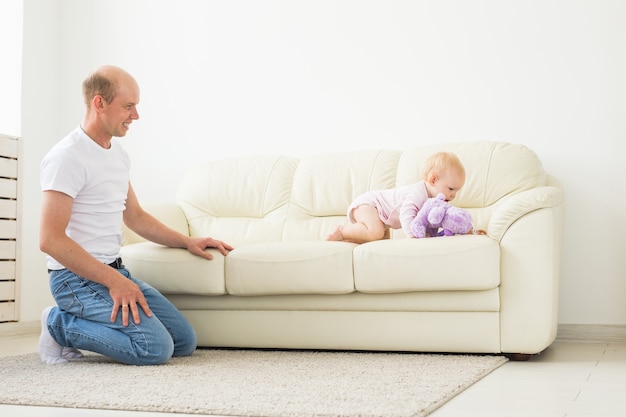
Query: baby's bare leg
x=336 y=235
x=366 y=228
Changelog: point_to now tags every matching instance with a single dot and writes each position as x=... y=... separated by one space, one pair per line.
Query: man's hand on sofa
x=197 y=246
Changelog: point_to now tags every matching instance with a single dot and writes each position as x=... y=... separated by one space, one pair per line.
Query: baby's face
x=448 y=184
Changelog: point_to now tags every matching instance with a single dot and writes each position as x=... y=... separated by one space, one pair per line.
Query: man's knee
x=185 y=347
x=156 y=352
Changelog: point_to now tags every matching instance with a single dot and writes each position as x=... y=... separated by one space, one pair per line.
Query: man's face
x=122 y=110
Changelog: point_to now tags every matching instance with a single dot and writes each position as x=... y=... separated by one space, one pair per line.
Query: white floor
x=576 y=377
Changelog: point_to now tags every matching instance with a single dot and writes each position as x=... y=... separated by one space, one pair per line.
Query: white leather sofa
x=285 y=286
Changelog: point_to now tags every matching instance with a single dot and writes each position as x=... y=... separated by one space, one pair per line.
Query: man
x=86 y=196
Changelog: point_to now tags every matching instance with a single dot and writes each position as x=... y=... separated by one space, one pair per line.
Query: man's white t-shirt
x=97 y=179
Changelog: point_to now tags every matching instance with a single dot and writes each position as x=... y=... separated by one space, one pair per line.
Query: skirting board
x=591 y=333
x=20 y=328
x=573 y=333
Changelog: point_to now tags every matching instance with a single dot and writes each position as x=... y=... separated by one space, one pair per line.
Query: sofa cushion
x=174 y=270
x=493 y=170
x=238 y=200
x=325 y=185
x=314 y=267
x=465 y=262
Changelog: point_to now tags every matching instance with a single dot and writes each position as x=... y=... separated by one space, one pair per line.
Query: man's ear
x=98 y=103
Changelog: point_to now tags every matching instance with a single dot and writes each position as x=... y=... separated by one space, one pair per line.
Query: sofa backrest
x=239 y=199
x=324 y=186
x=492 y=169
x=271 y=198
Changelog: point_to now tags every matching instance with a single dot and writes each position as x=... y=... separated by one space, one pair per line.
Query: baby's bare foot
x=337 y=235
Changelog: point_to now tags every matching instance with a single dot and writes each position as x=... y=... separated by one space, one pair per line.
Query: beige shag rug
x=250 y=383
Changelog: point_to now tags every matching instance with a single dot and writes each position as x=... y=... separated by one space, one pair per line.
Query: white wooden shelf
x=8 y=227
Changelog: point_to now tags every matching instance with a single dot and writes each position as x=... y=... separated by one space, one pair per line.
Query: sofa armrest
x=529 y=228
x=169 y=214
x=510 y=209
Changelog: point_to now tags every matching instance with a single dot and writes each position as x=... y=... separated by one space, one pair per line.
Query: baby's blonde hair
x=440 y=162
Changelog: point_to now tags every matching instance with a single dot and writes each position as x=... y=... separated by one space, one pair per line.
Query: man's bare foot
x=337 y=235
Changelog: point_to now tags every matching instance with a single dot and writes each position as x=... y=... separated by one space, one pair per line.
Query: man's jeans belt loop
x=117 y=264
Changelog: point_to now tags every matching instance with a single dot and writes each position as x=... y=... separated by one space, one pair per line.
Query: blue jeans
x=82 y=320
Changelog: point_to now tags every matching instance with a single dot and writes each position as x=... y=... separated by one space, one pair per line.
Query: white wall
x=10 y=66
x=41 y=110
x=298 y=77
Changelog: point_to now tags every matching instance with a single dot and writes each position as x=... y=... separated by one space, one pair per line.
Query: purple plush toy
x=437 y=214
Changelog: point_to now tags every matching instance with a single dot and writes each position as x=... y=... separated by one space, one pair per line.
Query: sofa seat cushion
x=457 y=263
x=175 y=271
x=300 y=267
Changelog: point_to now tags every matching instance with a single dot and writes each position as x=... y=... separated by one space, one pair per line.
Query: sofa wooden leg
x=518 y=357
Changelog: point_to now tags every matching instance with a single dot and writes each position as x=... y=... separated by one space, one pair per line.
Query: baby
x=373 y=213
